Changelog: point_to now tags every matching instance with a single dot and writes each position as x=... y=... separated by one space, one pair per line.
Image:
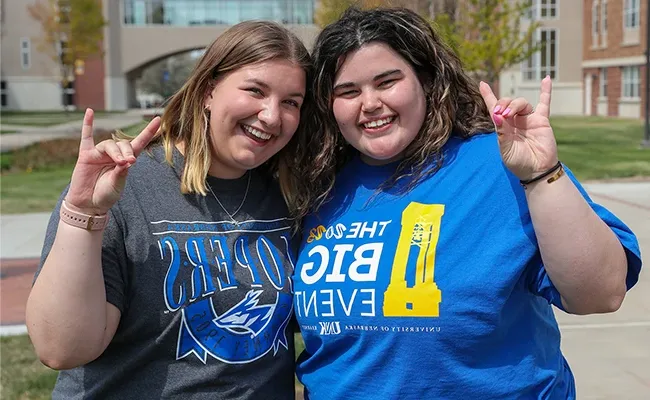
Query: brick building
x=613 y=62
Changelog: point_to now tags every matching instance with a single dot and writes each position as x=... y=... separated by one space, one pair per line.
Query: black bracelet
x=543 y=175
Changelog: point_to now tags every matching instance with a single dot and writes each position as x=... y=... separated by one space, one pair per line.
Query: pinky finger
x=110 y=148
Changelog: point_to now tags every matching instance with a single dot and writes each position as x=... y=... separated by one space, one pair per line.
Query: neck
x=375 y=162
x=218 y=169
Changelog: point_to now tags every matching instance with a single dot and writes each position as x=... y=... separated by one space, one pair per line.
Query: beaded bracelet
x=557 y=168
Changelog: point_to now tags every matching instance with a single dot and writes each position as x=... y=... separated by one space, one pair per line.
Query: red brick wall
x=614 y=32
x=90 y=86
x=614 y=89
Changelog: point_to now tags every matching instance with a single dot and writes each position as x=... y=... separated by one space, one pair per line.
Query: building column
x=115 y=82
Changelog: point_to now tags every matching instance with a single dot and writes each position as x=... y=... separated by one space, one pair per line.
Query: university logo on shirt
x=202 y=258
x=353 y=252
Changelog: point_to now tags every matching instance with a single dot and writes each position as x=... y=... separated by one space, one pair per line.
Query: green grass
x=45 y=118
x=593 y=148
x=23 y=376
x=3 y=131
x=602 y=148
x=26 y=192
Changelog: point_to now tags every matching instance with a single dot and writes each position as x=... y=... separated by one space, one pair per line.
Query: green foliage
x=490 y=36
x=72 y=31
x=329 y=11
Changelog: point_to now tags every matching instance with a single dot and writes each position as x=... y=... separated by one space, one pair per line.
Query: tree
x=166 y=76
x=329 y=11
x=489 y=35
x=72 y=32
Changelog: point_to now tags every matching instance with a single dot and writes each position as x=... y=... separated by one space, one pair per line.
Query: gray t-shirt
x=206 y=304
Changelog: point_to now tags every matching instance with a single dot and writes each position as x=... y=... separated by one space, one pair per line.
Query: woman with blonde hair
x=166 y=270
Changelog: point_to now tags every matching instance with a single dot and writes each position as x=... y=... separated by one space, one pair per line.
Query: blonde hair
x=184 y=120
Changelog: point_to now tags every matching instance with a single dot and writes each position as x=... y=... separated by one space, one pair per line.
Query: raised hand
x=526 y=138
x=100 y=173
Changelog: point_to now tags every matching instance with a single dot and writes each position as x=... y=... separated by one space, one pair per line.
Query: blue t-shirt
x=440 y=293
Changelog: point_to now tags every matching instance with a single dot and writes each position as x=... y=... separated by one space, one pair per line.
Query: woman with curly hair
x=437 y=247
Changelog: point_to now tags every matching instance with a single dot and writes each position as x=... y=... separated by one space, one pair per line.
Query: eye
x=255 y=90
x=293 y=103
x=387 y=83
x=348 y=93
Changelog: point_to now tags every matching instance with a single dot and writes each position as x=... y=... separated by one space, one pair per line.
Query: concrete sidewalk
x=609 y=354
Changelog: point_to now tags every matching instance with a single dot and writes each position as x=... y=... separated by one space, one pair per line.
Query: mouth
x=379 y=125
x=255 y=134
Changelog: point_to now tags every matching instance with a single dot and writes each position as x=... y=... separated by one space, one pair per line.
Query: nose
x=370 y=102
x=270 y=114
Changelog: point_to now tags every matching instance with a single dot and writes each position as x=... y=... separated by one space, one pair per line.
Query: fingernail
x=506 y=112
x=497 y=120
x=497 y=109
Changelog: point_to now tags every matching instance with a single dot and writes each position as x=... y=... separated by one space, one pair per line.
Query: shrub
x=48 y=154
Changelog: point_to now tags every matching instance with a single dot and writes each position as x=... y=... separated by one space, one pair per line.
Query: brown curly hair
x=454 y=104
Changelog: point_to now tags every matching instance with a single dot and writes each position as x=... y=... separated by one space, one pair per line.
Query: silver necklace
x=232 y=216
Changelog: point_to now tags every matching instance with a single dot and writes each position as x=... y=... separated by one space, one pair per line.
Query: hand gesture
x=100 y=173
x=526 y=138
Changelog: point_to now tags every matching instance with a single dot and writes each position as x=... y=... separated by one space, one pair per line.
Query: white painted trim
x=535 y=84
x=614 y=62
x=24 y=78
x=13 y=330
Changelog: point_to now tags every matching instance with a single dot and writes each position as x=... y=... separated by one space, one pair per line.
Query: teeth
x=257 y=133
x=378 y=123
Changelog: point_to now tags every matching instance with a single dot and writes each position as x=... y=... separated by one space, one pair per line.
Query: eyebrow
x=376 y=78
x=267 y=87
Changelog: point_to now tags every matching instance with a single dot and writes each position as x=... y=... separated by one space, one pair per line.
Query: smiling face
x=254 y=112
x=379 y=103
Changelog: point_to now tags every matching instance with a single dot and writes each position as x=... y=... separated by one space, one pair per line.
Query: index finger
x=142 y=140
x=488 y=96
x=544 y=105
x=87 y=141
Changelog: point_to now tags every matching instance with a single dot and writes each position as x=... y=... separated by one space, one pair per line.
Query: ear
x=207 y=97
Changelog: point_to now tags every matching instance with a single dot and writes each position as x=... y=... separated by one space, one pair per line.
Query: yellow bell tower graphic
x=419 y=234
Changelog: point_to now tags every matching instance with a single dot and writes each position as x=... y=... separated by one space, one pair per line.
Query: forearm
x=66 y=310
x=582 y=256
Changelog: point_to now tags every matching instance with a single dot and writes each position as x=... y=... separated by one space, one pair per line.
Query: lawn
x=46 y=118
x=593 y=148
x=25 y=378
x=38 y=190
x=602 y=148
x=3 y=131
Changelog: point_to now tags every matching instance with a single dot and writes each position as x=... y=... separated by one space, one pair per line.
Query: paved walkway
x=26 y=135
x=609 y=354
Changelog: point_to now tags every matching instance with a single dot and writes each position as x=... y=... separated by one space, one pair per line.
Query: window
x=603 y=82
x=3 y=94
x=212 y=12
x=542 y=9
x=631 y=14
x=594 y=22
x=548 y=9
x=631 y=84
x=544 y=62
x=25 y=53
x=603 y=16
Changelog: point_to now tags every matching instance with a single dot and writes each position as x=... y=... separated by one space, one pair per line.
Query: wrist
x=550 y=175
x=80 y=218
